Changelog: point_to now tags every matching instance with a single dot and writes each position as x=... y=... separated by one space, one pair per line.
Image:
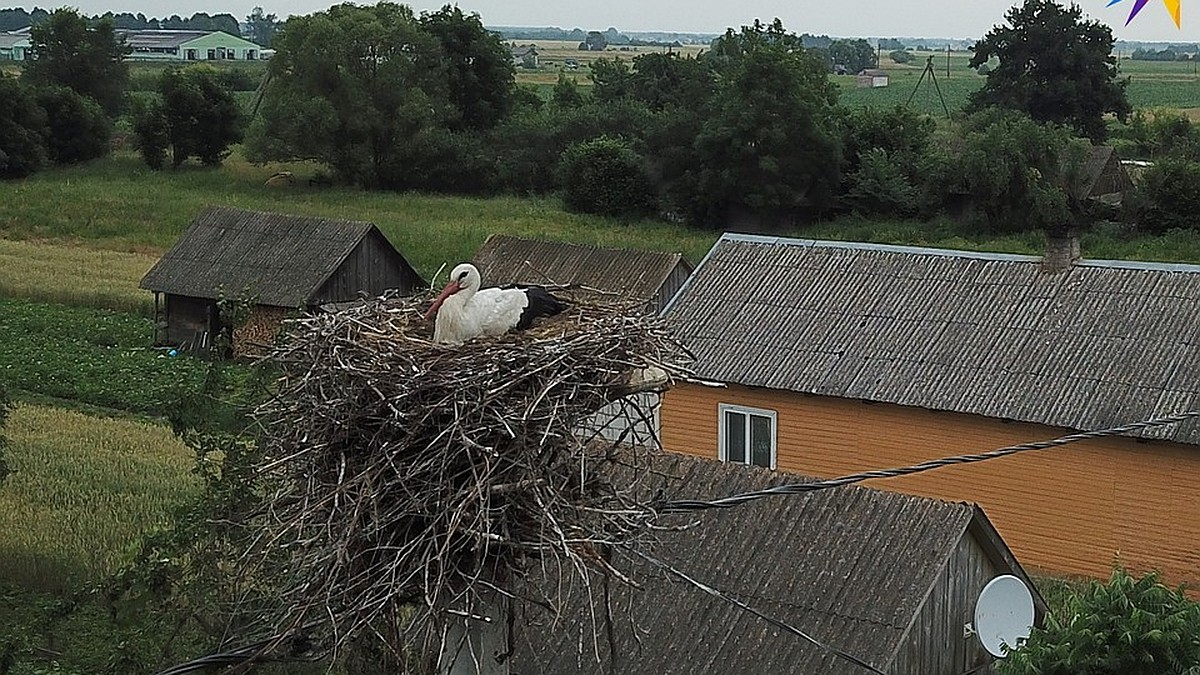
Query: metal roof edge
x=1145 y=265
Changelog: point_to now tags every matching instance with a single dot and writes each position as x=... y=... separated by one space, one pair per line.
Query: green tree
x=77 y=128
x=855 y=55
x=478 y=68
x=1129 y=626
x=1167 y=197
x=22 y=130
x=1054 y=67
x=768 y=145
x=353 y=87
x=195 y=117
x=566 y=93
x=901 y=56
x=90 y=59
x=606 y=177
x=261 y=27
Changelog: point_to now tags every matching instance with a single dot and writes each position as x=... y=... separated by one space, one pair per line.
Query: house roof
x=9 y=40
x=1103 y=173
x=633 y=273
x=154 y=38
x=282 y=259
x=850 y=567
x=1105 y=343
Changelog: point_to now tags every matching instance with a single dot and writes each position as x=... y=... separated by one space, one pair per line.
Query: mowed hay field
x=85 y=489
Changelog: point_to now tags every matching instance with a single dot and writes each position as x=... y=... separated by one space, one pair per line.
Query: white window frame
x=723 y=408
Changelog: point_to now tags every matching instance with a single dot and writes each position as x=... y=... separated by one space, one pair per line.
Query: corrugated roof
x=156 y=38
x=1105 y=343
x=850 y=567
x=8 y=40
x=282 y=259
x=633 y=273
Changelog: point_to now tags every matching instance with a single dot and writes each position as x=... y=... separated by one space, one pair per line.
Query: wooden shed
x=1103 y=176
x=650 y=276
x=887 y=578
x=282 y=263
x=828 y=358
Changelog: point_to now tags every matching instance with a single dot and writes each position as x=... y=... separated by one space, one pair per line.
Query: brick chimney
x=1062 y=251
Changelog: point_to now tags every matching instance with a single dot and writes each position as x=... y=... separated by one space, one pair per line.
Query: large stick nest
x=409 y=479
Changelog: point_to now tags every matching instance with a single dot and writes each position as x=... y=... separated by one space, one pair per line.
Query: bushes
x=22 y=130
x=1168 y=197
x=1125 y=627
x=606 y=177
x=77 y=128
x=196 y=117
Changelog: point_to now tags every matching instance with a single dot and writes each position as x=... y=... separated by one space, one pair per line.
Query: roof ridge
x=770 y=240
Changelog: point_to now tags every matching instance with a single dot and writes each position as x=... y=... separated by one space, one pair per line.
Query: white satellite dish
x=1003 y=614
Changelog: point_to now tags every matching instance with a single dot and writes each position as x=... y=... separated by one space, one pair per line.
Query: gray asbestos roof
x=282 y=259
x=851 y=568
x=989 y=334
x=632 y=273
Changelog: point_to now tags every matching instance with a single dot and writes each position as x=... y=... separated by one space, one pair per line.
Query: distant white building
x=14 y=46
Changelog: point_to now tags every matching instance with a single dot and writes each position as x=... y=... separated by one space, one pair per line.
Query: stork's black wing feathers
x=541 y=303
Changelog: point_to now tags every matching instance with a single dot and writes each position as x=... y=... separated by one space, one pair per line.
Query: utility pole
x=947 y=60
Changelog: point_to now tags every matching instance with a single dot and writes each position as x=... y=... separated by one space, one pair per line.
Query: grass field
x=85 y=489
x=75 y=275
x=118 y=204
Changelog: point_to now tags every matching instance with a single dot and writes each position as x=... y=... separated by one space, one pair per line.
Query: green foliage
x=261 y=27
x=855 y=55
x=1158 y=133
x=88 y=58
x=901 y=56
x=1017 y=175
x=5 y=404
x=606 y=177
x=77 y=128
x=767 y=145
x=884 y=152
x=880 y=186
x=478 y=68
x=1167 y=197
x=151 y=131
x=1054 y=67
x=1129 y=626
x=201 y=117
x=352 y=87
x=566 y=93
x=22 y=130
x=95 y=357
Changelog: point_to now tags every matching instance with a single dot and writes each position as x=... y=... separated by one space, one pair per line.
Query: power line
x=803 y=488
x=769 y=619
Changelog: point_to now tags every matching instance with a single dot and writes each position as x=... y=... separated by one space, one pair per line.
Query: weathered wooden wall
x=369 y=268
x=1071 y=510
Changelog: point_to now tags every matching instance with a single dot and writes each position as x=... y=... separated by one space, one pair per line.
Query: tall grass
x=84 y=491
x=74 y=275
x=119 y=204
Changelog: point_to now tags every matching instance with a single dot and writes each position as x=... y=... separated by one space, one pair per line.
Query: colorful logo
x=1172 y=7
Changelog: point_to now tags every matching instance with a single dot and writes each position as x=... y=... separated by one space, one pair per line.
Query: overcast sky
x=913 y=18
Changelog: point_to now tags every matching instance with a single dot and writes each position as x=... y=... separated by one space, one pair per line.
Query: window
x=746 y=435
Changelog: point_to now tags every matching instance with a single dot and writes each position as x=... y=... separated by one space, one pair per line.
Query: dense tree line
x=261 y=27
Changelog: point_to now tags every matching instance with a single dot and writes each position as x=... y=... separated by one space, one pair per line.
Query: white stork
x=464 y=311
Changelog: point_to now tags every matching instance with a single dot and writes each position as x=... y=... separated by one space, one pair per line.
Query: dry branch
x=408 y=479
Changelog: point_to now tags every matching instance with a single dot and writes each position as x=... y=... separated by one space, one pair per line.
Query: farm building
x=887 y=578
x=14 y=46
x=872 y=78
x=1103 y=176
x=283 y=263
x=525 y=56
x=189 y=45
x=649 y=276
x=828 y=358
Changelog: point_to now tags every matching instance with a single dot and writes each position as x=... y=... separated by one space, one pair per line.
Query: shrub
x=901 y=56
x=1168 y=197
x=77 y=128
x=22 y=130
x=197 y=117
x=880 y=186
x=1125 y=627
x=606 y=177
x=152 y=134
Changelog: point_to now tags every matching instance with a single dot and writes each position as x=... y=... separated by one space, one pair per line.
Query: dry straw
x=409 y=481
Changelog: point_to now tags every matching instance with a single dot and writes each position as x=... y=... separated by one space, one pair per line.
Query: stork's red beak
x=450 y=289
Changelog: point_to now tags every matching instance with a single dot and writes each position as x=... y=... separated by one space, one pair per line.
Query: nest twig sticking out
x=410 y=478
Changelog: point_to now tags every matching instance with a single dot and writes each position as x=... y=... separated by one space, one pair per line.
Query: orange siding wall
x=1071 y=510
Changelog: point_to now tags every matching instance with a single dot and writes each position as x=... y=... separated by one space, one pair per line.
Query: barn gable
x=652 y=276
x=888 y=578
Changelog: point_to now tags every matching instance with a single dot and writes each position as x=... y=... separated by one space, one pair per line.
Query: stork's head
x=464 y=278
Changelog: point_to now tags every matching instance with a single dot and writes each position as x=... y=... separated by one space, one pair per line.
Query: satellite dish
x=1003 y=614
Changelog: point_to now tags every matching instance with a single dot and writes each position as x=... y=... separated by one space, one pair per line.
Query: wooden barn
x=283 y=263
x=826 y=358
x=887 y=578
x=1103 y=176
x=650 y=276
